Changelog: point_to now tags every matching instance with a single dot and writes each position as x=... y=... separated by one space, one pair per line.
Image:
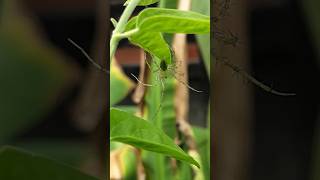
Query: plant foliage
x=155 y=133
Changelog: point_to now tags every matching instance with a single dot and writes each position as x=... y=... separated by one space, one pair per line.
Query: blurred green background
x=52 y=102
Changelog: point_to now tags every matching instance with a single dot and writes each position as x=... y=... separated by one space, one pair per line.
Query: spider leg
x=149 y=85
x=186 y=84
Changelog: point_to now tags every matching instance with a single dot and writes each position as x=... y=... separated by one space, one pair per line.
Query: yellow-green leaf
x=120 y=84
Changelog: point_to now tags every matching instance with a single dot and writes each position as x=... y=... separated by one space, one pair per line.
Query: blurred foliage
x=158 y=103
x=203 y=6
x=202 y=137
x=32 y=74
x=17 y=164
x=70 y=151
x=120 y=84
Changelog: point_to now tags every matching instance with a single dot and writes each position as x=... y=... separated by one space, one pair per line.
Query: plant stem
x=126 y=34
x=121 y=26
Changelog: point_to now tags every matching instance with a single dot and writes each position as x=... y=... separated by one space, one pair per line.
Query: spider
x=162 y=72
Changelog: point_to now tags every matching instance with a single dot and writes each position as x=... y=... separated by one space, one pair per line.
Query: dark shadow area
x=284 y=128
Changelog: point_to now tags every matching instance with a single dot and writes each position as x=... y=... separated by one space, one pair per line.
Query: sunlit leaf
x=173 y=21
x=151 y=22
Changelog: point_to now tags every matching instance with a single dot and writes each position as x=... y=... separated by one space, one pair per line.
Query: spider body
x=163 y=65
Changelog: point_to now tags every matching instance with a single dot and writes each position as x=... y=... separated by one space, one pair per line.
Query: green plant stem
x=126 y=34
x=121 y=26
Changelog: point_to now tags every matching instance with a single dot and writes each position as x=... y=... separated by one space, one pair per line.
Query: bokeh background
x=52 y=101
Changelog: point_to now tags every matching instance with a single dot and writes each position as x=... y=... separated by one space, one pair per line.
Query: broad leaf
x=128 y=108
x=173 y=21
x=17 y=164
x=151 y=22
x=129 y=129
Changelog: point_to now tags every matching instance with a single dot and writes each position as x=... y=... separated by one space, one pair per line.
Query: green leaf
x=152 y=22
x=144 y=2
x=129 y=129
x=171 y=4
x=18 y=164
x=151 y=42
x=173 y=21
x=128 y=108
